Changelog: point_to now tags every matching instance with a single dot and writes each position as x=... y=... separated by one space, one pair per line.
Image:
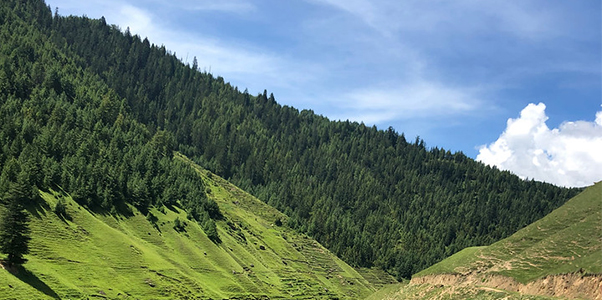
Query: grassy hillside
x=549 y=257
x=567 y=240
x=94 y=254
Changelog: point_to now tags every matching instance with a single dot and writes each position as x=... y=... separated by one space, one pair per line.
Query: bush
x=152 y=218
x=211 y=231
x=60 y=209
x=178 y=225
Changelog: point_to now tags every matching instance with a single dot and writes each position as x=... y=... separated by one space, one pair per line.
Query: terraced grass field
x=97 y=255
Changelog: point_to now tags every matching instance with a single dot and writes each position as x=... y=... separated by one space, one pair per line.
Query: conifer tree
x=14 y=232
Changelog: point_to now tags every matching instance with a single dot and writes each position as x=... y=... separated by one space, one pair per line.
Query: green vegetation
x=96 y=112
x=567 y=240
x=14 y=233
x=96 y=254
x=64 y=129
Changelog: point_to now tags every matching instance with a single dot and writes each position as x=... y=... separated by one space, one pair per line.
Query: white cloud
x=570 y=155
x=138 y=20
x=417 y=99
x=234 y=6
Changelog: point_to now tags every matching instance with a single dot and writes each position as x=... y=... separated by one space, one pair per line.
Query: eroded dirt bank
x=571 y=286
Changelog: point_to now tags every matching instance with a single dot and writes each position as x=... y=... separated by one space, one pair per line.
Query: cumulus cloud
x=570 y=155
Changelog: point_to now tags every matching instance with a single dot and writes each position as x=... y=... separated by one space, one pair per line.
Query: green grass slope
x=559 y=255
x=569 y=239
x=98 y=255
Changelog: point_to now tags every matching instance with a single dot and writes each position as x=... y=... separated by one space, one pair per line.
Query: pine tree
x=14 y=234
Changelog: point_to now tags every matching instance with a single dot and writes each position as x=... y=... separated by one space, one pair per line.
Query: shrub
x=60 y=209
x=178 y=225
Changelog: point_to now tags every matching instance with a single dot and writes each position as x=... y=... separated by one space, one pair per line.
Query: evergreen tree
x=14 y=234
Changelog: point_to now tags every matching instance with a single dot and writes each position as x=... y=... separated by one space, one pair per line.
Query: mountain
x=559 y=255
x=94 y=254
x=114 y=213
x=96 y=112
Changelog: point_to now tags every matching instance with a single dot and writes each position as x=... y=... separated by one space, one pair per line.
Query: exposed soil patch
x=569 y=286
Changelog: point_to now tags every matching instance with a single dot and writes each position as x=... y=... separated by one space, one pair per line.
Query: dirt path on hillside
x=569 y=286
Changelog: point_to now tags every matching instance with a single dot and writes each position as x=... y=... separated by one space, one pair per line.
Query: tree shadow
x=28 y=277
x=37 y=208
x=65 y=217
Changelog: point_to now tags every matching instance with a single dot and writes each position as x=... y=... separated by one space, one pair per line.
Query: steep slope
x=94 y=254
x=63 y=129
x=559 y=255
x=96 y=111
x=369 y=195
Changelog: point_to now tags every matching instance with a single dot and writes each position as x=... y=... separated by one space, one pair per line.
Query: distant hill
x=96 y=111
x=93 y=254
x=557 y=256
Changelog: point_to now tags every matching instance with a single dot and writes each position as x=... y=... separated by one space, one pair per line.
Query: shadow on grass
x=26 y=276
x=65 y=217
x=38 y=208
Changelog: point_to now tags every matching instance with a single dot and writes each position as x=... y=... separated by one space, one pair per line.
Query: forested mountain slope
x=62 y=128
x=368 y=195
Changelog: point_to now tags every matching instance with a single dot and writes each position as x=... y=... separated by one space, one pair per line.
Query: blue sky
x=451 y=72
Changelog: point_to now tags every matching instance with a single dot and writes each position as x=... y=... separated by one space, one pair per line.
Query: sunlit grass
x=567 y=240
x=118 y=257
